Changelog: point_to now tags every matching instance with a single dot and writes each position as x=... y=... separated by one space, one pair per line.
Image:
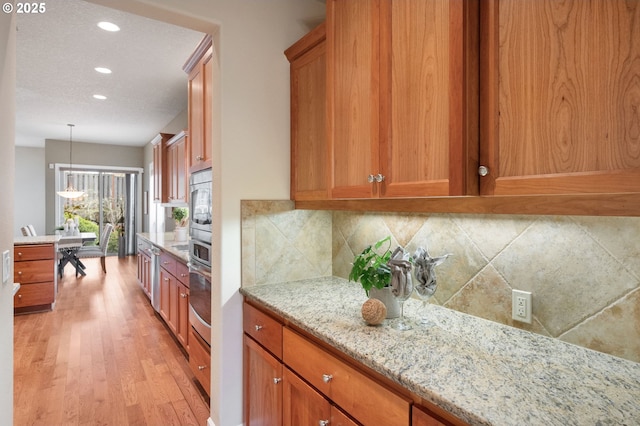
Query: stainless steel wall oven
x=200 y=253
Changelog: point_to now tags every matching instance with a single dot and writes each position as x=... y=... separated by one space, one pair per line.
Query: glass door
x=109 y=198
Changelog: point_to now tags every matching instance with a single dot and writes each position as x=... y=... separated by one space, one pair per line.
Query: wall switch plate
x=521 y=306
x=6 y=266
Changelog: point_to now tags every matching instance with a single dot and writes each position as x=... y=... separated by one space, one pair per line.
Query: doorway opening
x=110 y=196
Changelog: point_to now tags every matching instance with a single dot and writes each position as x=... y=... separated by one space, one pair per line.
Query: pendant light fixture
x=70 y=191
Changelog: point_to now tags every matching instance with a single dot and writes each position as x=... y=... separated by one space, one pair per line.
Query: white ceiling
x=57 y=52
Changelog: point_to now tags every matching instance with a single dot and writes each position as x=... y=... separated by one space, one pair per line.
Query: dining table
x=68 y=246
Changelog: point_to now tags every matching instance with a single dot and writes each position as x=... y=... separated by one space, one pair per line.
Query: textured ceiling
x=57 y=52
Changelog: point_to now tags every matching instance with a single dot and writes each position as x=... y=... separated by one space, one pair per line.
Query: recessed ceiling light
x=103 y=70
x=108 y=26
x=101 y=97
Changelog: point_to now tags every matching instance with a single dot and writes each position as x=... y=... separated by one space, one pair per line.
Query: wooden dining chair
x=100 y=250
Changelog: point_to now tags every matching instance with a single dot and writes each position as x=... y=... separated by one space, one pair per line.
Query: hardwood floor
x=102 y=357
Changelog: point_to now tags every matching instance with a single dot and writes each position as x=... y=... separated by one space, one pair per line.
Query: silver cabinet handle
x=375 y=178
x=183 y=295
x=327 y=378
x=483 y=171
x=202 y=367
x=20 y=253
x=276 y=380
x=258 y=327
x=323 y=423
x=19 y=272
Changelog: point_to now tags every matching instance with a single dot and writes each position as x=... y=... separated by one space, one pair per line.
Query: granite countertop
x=38 y=239
x=483 y=372
x=166 y=242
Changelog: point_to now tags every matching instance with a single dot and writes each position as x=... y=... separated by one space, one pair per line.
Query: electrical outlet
x=521 y=306
x=6 y=266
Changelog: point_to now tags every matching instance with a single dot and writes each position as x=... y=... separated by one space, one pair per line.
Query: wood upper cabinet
x=160 y=175
x=200 y=68
x=402 y=97
x=309 y=152
x=176 y=166
x=560 y=97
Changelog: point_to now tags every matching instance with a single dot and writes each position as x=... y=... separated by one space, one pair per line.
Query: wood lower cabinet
x=144 y=271
x=174 y=297
x=34 y=268
x=422 y=417
x=263 y=384
x=200 y=360
x=560 y=97
x=303 y=405
x=290 y=380
x=343 y=384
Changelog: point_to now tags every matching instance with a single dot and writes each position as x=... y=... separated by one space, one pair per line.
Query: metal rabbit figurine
x=425 y=272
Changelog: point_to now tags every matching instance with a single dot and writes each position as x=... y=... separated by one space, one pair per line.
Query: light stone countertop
x=166 y=242
x=38 y=239
x=483 y=372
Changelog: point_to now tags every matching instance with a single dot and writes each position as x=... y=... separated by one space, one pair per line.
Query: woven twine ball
x=373 y=311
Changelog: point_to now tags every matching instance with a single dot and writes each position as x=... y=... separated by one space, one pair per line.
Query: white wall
x=29 y=199
x=7 y=137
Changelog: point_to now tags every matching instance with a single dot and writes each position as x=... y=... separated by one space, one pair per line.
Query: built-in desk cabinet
x=34 y=268
x=290 y=379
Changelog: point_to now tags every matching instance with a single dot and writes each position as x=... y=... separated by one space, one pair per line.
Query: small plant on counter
x=370 y=267
x=181 y=216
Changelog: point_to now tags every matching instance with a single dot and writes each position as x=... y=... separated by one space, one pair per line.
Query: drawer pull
x=202 y=367
x=19 y=253
x=19 y=272
x=19 y=296
x=327 y=378
x=258 y=327
x=323 y=423
x=183 y=295
x=184 y=275
x=276 y=380
x=166 y=263
x=166 y=279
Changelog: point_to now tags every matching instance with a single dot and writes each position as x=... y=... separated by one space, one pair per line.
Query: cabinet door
x=309 y=151
x=561 y=96
x=180 y=171
x=200 y=90
x=166 y=286
x=158 y=166
x=302 y=404
x=353 y=93
x=182 y=320
x=428 y=98
x=263 y=386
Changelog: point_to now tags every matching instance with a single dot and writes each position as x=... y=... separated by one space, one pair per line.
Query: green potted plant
x=371 y=270
x=181 y=216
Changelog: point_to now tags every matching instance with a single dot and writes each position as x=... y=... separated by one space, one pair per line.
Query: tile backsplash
x=584 y=272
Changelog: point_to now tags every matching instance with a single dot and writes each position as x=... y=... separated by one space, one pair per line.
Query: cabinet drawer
x=33 y=271
x=182 y=273
x=264 y=329
x=200 y=360
x=356 y=393
x=33 y=252
x=168 y=262
x=34 y=295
